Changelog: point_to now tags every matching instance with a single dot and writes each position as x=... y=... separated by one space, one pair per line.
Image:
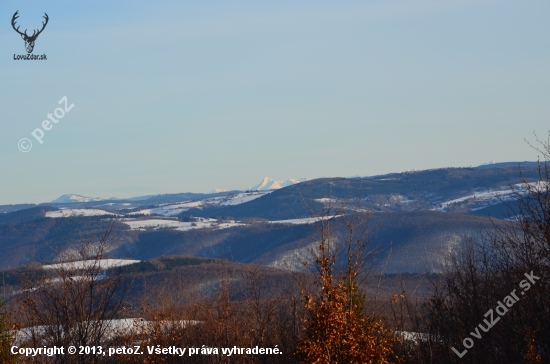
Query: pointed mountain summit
x=271 y=184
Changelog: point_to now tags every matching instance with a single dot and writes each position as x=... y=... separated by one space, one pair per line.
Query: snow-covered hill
x=77 y=213
x=491 y=197
x=177 y=208
x=71 y=198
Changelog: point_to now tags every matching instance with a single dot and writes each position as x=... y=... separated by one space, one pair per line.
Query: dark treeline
x=492 y=304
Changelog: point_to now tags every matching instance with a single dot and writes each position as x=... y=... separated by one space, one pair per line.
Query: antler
x=43 y=25
x=34 y=34
x=15 y=16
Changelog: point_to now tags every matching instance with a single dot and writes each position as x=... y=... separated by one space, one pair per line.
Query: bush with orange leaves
x=336 y=329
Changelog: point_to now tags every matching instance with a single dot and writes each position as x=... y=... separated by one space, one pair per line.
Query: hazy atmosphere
x=177 y=96
x=275 y=182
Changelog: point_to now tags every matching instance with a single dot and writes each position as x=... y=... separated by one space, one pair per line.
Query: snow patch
x=492 y=197
x=178 y=225
x=77 y=212
x=303 y=221
x=326 y=200
x=83 y=264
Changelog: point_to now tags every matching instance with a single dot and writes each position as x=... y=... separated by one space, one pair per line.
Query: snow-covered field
x=81 y=264
x=77 y=212
x=171 y=210
x=241 y=198
x=114 y=328
x=201 y=223
x=178 y=225
x=491 y=197
x=326 y=201
x=306 y=220
x=177 y=208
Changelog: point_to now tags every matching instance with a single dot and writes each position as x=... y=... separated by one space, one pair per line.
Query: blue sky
x=174 y=96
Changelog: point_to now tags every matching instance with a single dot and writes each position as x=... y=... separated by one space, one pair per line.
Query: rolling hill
x=417 y=216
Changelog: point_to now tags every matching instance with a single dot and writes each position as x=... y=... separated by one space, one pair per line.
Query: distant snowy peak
x=267 y=184
x=74 y=199
x=217 y=190
x=271 y=184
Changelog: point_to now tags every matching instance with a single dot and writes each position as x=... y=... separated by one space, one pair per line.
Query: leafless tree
x=487 y=270
x=74 y=302
x=6 y=337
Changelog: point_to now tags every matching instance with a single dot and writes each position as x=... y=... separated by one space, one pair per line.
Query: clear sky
x=178 y=96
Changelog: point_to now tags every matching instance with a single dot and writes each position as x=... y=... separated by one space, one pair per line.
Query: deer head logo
x=29 y=40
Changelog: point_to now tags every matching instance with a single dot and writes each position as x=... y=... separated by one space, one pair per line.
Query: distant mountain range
x=417 y=215
x=267 y=184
